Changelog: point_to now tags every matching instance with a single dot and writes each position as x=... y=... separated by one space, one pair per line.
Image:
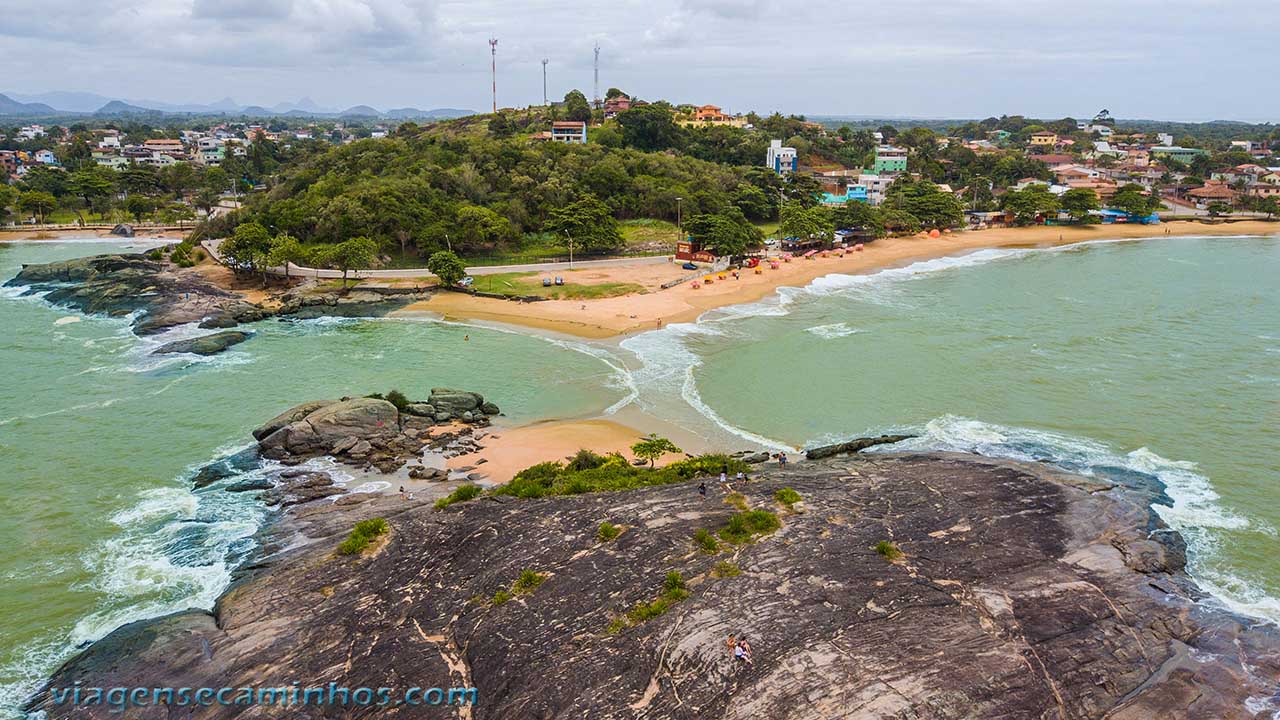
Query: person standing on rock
x=702 y=488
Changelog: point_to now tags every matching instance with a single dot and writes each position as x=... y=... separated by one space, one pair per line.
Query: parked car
x=467 y=281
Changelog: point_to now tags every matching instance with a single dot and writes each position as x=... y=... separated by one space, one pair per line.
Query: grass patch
x=528 y=582
x=725 y=570
x=616 y=473
x=706 y=542
x=362 y=535
x=744 y=527
x=608 y=531
x=888 y=550
x=501 y=597
x=737 y=500
x=530 y=283
x=647 y=231
x=462 y=494
x=787 y=496
x=673 y=591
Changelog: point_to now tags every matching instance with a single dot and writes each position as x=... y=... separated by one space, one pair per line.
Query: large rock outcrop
x=211 y=344
x=318 y=431
x=162 y=296
x=1019 y=594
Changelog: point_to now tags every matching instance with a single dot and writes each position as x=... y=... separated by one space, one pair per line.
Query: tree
x=1270 y=206
x=37 y=203
x=8 y=197
x=1079 y=203
x=357 y=253
x=501 y=126
x=248 y=248
x=587 y=223
x=207 y=200
x=576 y=107
x=651 y=447
x=448 y=267
x=857 y=215
x=94 y=185
x=932 y=206
x=1135 y=201
x=649 y=127
x=806 y=223
x=1217 y=209
x=286 y=249
x=481 y=228
x=1029 y=203
x=138 y=206
x=728 y=233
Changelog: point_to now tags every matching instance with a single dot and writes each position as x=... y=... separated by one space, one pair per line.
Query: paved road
x=212 y=247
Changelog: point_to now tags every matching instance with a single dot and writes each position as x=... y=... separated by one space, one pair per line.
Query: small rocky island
x=885 y=586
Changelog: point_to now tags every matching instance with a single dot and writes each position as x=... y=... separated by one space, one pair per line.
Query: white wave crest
x=833 y=331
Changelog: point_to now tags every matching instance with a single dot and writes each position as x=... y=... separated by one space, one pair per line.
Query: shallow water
x=97 y=436
x=1131 y=360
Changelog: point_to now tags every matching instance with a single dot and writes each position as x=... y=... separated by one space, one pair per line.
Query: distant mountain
x=119 y=107
x=63 y=102
x=360 y=111
x=436 y=114
x=9 y=106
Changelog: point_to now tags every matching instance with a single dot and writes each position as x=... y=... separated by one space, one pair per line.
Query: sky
x=1159 y=59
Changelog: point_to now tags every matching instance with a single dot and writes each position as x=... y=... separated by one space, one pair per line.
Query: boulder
x=489 y=409
x=421 y=410
x=205 y=344
x=853 y=446
x=250 y=485
x=291 y=415
x=756 y=458
x=123 y=230
x=317 y=432
x=344 y=445
x=455 y=401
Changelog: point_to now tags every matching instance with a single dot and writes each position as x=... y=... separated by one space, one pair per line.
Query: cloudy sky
x=1171 y=59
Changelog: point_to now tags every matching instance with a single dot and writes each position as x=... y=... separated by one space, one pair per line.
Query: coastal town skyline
x=925 y=60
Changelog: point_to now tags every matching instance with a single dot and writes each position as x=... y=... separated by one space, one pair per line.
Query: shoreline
x=618 y=317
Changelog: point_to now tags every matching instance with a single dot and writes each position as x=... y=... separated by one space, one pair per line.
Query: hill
x=11 y=107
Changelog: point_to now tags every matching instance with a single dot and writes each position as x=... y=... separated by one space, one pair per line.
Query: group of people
x=741 y=650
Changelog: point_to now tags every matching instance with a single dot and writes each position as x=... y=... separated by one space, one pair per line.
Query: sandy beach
x=610 y=317
x=509 y=451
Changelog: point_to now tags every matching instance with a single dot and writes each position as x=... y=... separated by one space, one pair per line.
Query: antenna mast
x=597 y=69
x=493 y=69
x=544 y=82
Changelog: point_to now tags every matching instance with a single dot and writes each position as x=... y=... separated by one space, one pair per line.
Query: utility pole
x=597 y=71
x=679 y=224
x=493 y=69
x=544 y=82
x=566 y=234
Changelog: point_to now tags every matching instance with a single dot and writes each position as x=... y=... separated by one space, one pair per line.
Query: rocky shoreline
x=160 y=295
x=1012 y=591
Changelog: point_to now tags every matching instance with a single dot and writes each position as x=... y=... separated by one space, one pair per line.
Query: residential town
x=1001 y=171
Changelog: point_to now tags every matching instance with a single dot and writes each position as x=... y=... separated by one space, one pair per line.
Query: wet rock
x=756 y=458
x=205 y=344
x=250 y=485
x=489 y=408
x=853 y=446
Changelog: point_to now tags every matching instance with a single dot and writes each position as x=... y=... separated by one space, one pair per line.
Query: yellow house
x=1046 y=139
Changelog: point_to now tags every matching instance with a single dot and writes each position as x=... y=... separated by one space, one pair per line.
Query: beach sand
x=508 y=451
x=609 y=317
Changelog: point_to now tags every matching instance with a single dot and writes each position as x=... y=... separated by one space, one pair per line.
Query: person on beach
x=782 y=459
x=724 y=474
x=702 y=488
x=741 y=476
x=742 y=652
